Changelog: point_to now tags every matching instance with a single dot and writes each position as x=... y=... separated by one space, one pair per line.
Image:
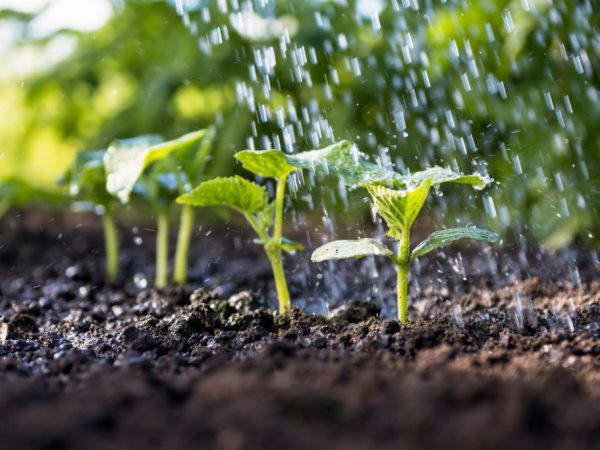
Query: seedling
x=399 y=208
x=158 y=172
x=252 y=201
x=86 y=180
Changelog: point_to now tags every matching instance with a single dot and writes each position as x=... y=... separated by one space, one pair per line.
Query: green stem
x=110 y=244
x=186 y=225
x=162 y=248
x=279 y=199
x=283 y=294
x=402 y=268
x=402 y=285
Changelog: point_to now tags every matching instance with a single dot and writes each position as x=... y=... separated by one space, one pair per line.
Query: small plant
x=400 y=208
x=86 y=180
x=252 y=201
x=158 y=172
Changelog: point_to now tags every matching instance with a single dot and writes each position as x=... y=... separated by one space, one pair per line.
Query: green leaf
x=236 y=192
x=351 y=249
x=353 y=167
x=192 y=153
x=345 y=161
x=126 y=160
x=443 y=238
x=399 y=208
x=266 y=163
x=342 y=159
x=439 y=175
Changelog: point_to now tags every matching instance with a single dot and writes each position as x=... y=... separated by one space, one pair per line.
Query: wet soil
x=506 y=356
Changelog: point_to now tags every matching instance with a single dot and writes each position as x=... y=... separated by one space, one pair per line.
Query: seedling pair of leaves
x=158 y=172
x=252 y=200
x=399 y=208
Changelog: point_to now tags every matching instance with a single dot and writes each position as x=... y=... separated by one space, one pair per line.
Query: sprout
x=86 y=180
x=252 y=201
x=158 y=172
x=399 y=208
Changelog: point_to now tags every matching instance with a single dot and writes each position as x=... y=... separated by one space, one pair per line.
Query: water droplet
x=140 y=280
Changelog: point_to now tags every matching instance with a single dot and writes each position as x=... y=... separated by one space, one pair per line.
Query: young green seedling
x=252 y=201
x=86 y=179
x=159 y=171
x=399 y=208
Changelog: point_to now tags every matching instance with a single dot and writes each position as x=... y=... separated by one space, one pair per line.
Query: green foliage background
x=510 y=86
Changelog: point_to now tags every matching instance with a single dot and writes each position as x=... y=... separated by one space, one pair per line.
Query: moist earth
x=490 y=360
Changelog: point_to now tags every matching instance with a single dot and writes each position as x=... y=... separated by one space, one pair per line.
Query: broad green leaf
x=287 y=245
x=354 y=169
x=442 y=238
x=351 y=249
x=236 y=192
x=342 y=159
x=266 y=163
x=399 y=208
x=345 y=161
x=126 y=160
x=439 y=175
x=192 y=154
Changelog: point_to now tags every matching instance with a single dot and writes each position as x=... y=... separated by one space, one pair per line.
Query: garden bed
x=508 y=356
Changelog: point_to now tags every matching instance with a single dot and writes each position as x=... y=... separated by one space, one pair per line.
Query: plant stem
x=279 y=198
x=274 y=253
x=402 y=268
x=283 y=294
x=186 y=225
x=402 y=286
x=162 y=248
x=110 y=244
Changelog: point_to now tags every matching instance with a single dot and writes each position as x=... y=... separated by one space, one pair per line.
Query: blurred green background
x=509 y=87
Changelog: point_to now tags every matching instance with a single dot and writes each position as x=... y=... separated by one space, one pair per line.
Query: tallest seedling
x=252 y=200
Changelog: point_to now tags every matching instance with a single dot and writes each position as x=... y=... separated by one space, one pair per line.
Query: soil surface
x=503 y=351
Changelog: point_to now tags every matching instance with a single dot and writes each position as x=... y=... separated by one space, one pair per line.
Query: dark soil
x=508 y=357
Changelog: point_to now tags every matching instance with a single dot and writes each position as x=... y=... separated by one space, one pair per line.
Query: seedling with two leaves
x=399 y=207
x=158 y=172
x=252 y=200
